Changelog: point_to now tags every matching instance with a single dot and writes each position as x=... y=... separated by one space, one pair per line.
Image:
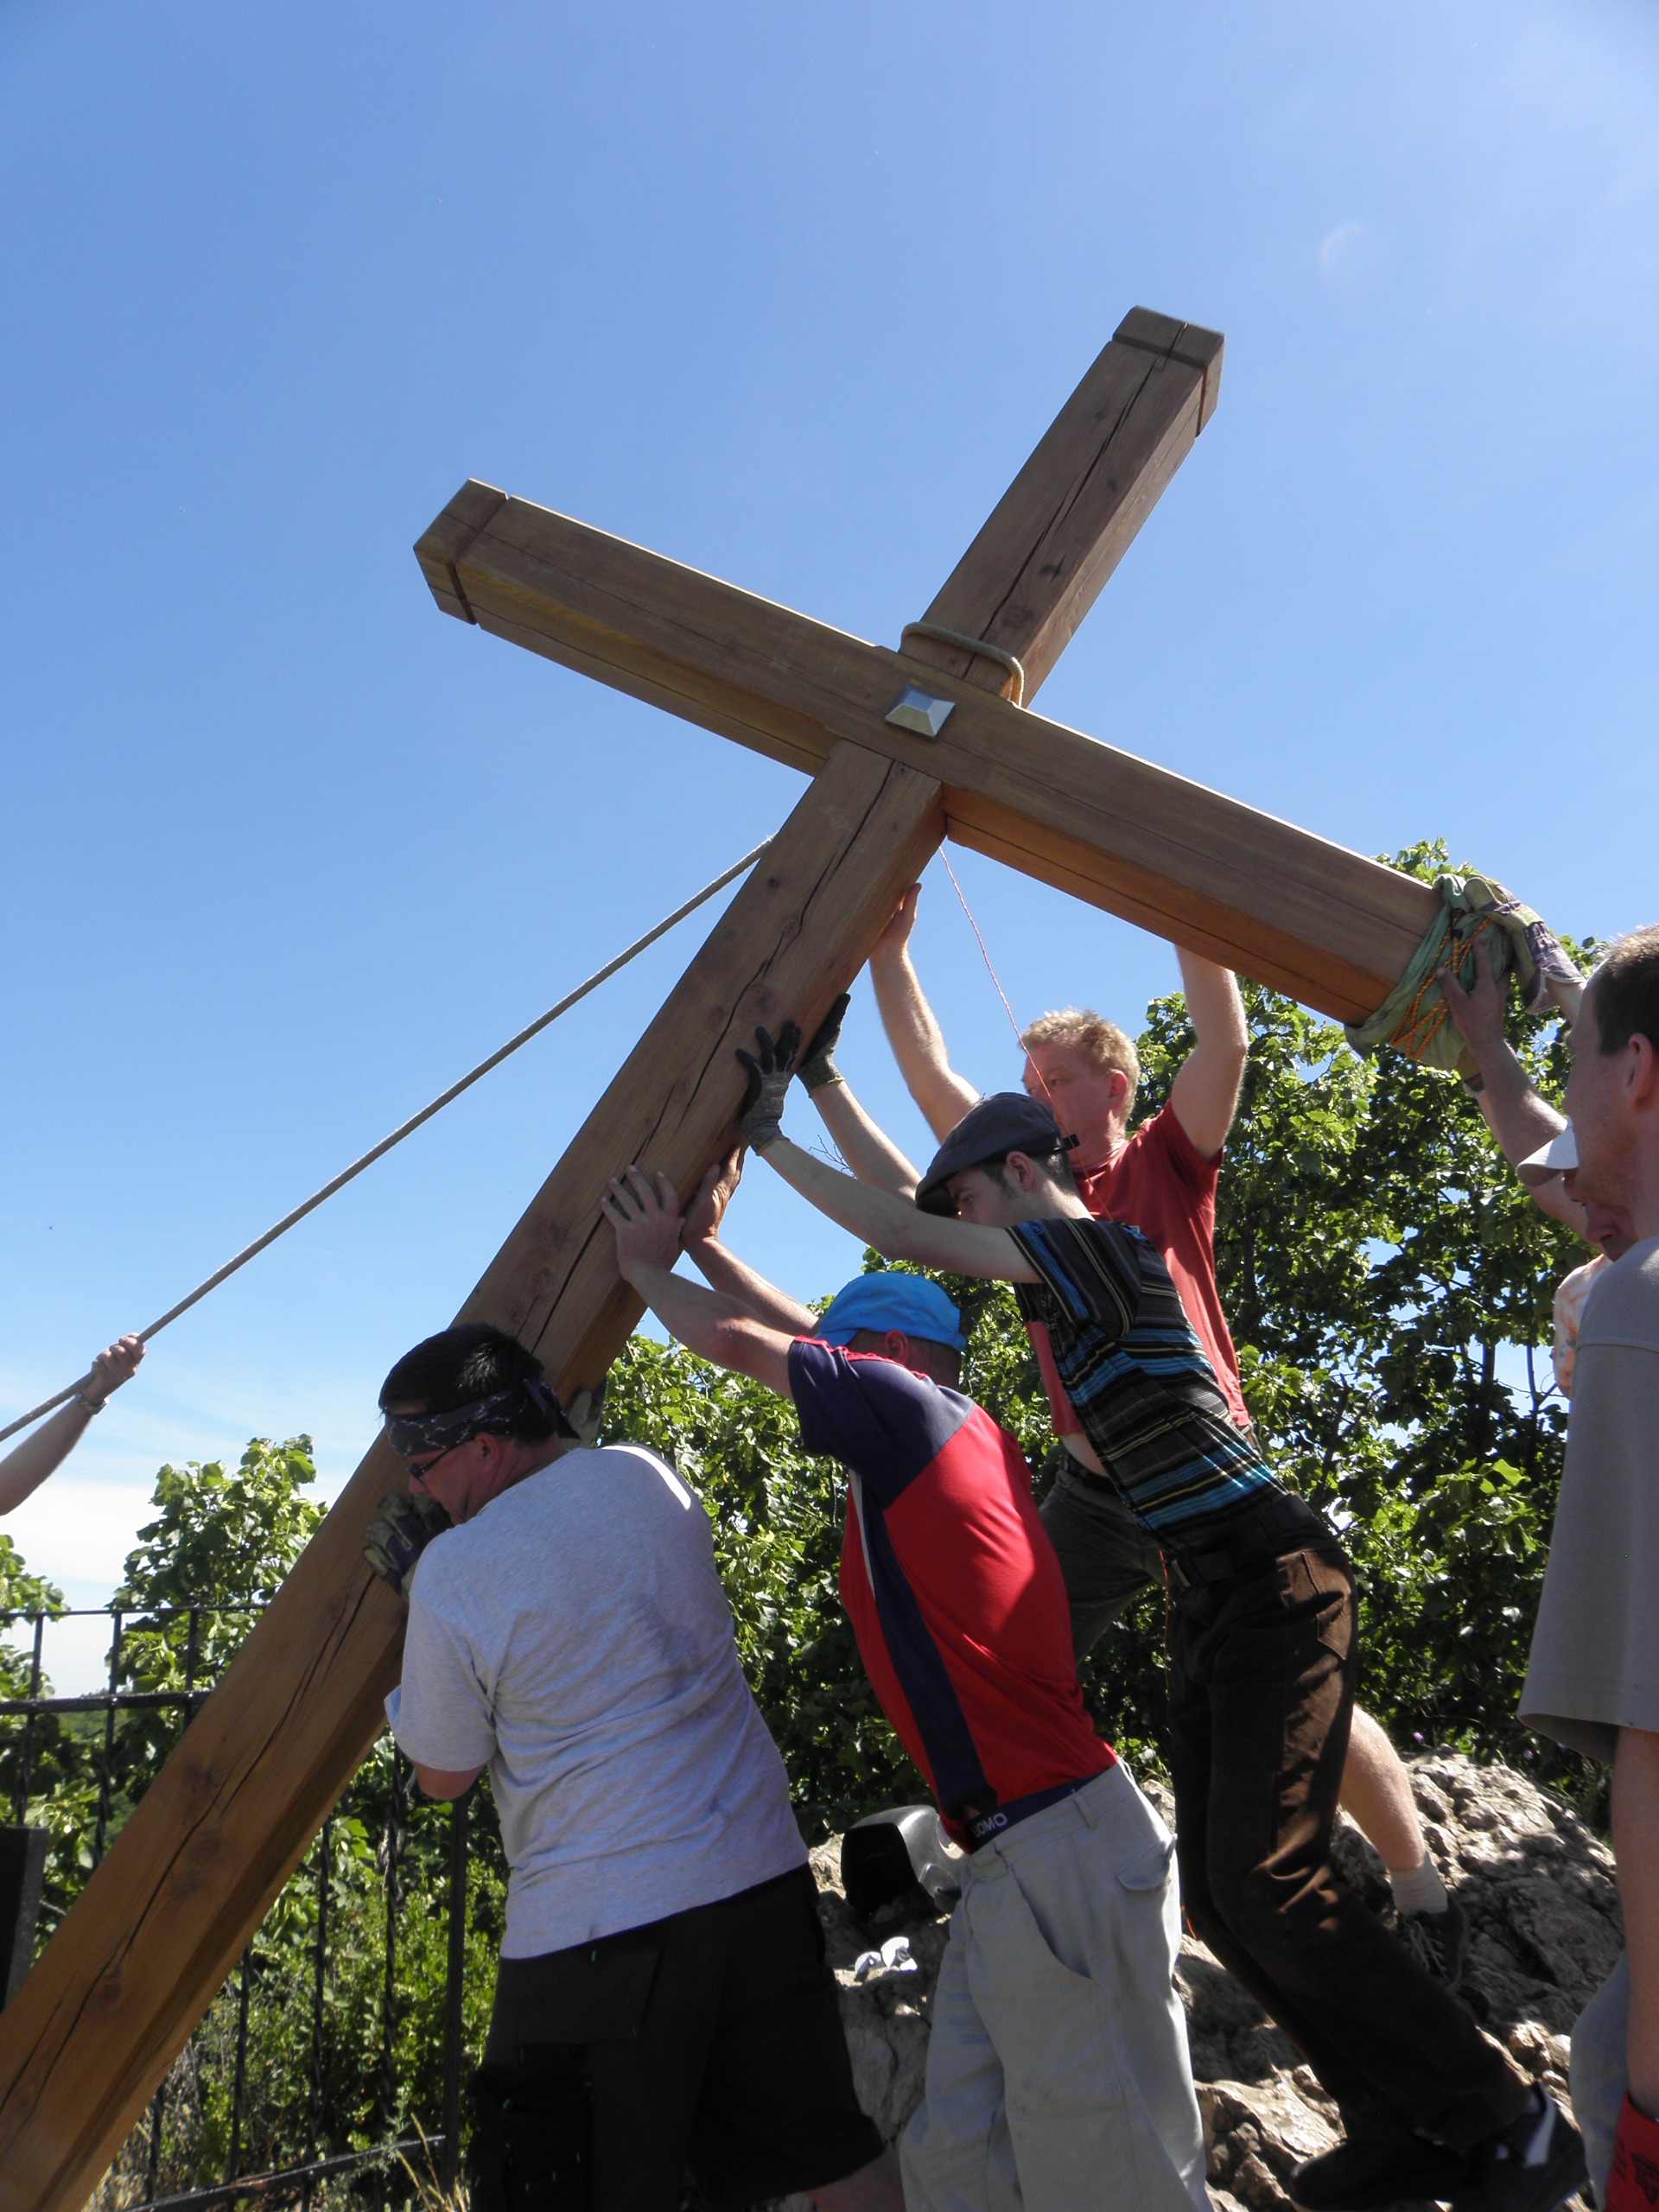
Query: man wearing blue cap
x=1262 y=1659
x=1058 y=2074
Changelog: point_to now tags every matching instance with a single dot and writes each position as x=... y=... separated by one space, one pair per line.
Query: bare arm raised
x=866 y=1147
x=25 y=1469
x=1522 y=1122
x=726 y=1330
x=723 y=1267
x=897 y=1229
x=1205 y=1094
x=912 y=1028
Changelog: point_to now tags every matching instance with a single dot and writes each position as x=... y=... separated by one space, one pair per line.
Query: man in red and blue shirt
x=1058 y=2072
x=950 y=1588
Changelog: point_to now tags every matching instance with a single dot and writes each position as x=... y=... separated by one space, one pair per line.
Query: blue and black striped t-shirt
x=1138 y=1378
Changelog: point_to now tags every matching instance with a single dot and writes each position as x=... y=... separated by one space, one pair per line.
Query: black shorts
x=711 y=2040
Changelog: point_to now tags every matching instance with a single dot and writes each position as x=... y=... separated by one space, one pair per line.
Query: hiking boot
x=1532 y=2165
x=1436 y=1940
x=1369 y=2172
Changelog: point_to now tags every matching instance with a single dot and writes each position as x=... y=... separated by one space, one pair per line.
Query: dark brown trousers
x=1261 y=1693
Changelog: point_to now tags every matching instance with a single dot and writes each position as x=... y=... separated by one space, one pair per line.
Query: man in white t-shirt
x=663 y=2002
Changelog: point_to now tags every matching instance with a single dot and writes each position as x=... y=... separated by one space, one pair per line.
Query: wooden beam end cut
x=439 y=549
x=1189 y=343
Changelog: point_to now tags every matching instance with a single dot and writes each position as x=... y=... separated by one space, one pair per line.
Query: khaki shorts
x=1058 y=2074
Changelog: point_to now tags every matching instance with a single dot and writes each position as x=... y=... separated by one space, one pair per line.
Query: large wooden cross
x=161 y=1923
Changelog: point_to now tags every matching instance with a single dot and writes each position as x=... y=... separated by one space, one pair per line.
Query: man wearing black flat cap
x=663 y=2002
x=1262 y=1659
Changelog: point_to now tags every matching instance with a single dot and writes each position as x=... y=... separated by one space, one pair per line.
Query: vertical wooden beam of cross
x=160 y=1924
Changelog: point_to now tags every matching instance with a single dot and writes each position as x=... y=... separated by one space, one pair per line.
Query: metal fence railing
x=333 y=2058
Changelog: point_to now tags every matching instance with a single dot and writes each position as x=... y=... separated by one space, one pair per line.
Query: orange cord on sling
x=1427 y=1014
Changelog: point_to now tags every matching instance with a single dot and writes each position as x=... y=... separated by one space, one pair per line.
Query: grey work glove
x=761 y=1119
x=400 y=1531
x=584 y=1412
x=817 y=1064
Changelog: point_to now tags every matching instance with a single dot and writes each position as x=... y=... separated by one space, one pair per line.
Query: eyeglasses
x=419 y=1470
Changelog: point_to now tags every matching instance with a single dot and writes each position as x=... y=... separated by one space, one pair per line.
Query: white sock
x=1419 y=1889
x=1538 y=2147
x=1541 y=2108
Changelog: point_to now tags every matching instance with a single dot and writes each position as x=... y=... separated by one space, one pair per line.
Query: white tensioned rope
x=281 y=1228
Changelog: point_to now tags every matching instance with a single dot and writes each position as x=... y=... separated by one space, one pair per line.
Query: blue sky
x=787 y=294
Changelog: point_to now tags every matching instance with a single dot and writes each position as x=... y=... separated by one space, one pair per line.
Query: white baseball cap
x=1553 y=1159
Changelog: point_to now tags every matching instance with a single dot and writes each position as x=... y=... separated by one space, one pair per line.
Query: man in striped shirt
x=1262 y=1663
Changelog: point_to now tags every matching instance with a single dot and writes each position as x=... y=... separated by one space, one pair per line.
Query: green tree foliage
x=213 y=1557
x=20 y=1594
x=224 y=1539
x=45 y=1764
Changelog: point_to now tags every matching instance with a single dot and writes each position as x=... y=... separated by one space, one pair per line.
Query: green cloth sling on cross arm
x=1414 y=1017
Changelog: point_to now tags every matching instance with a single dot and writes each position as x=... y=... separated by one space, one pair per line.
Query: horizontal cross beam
x=1290 y=909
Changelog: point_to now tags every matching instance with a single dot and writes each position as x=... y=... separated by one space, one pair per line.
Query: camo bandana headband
x=409 y=1435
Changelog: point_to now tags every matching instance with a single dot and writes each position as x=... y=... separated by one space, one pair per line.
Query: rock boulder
x=1536 y=1885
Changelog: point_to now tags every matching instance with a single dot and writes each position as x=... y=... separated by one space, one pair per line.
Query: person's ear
x=1018 y=1164
x=1642 y=1082
x=896 y=1345
x=1120 y=1086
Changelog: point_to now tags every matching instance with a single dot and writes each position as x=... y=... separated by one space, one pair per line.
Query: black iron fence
x=332 y=2063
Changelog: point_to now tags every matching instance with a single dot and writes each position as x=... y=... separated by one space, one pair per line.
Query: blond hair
x=1103 y=1043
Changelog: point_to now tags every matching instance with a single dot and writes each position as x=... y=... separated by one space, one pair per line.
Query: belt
x=981 y=1827
x=1281 y=1525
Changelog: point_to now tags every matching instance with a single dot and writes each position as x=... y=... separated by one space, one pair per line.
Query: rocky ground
x=1544 y=1932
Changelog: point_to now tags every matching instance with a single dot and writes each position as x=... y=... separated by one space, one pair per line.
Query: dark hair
x=463 y=1364
x=1055 y=1166
x=1627 y=991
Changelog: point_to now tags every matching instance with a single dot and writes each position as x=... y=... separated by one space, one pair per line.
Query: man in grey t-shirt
x=1593 y=1681
x=663 y=2001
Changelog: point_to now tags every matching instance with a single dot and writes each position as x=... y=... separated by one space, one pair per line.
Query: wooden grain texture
x=1329 y=926
x=819 y=896
x=164 y=1920
x=1071 y=514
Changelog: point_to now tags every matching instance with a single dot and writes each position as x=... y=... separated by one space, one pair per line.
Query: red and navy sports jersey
x=953 y=1589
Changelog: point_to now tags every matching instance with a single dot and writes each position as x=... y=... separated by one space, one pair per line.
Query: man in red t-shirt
x=1058 y=2073
x=1159 y=1178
